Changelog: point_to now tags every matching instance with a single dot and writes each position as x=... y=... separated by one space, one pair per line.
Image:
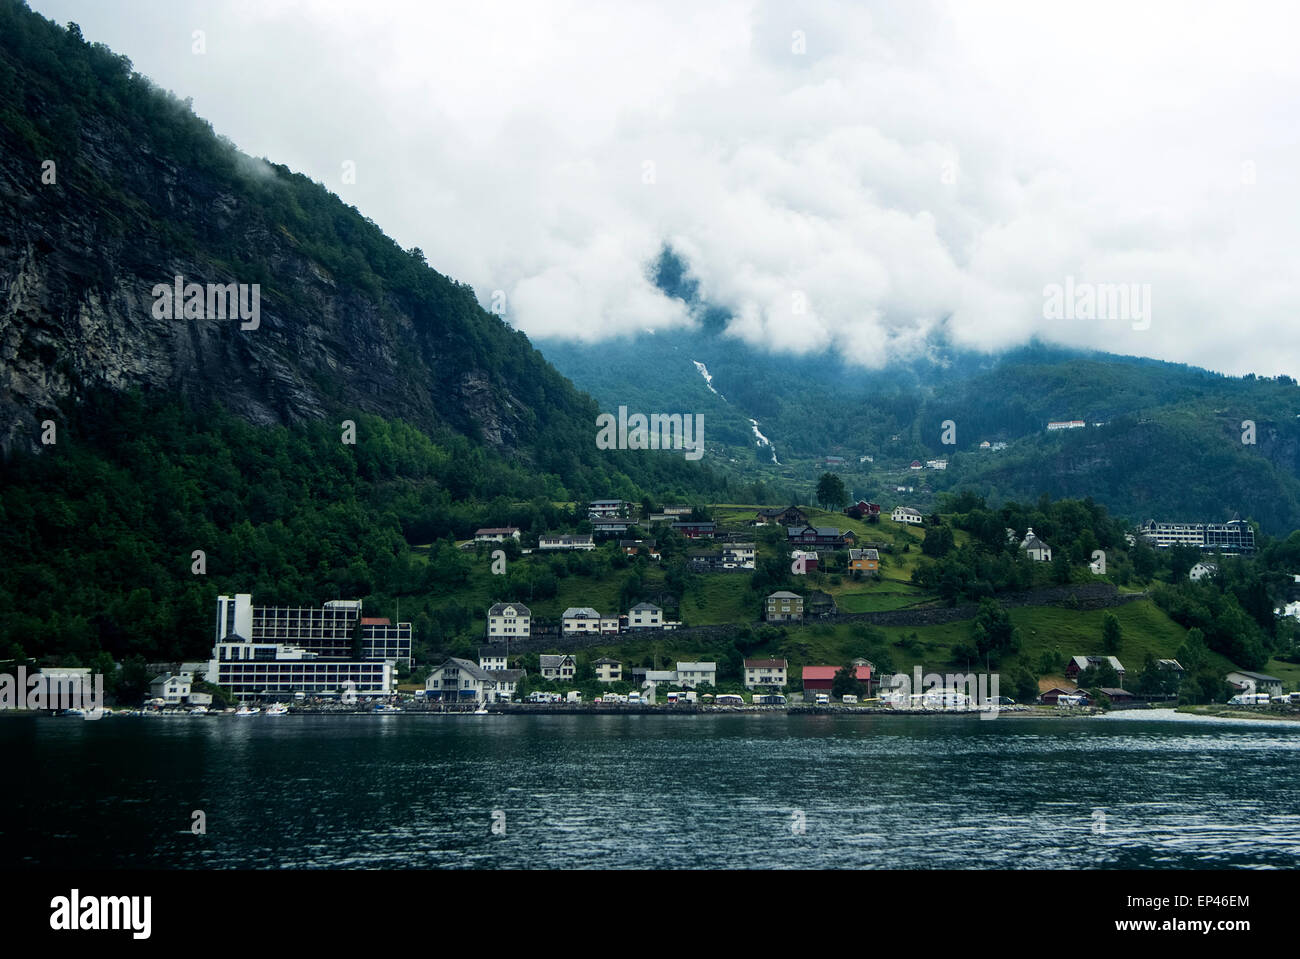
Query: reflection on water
x=1130 y=790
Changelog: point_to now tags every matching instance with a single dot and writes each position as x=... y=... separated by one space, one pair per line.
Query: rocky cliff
x=110 y=188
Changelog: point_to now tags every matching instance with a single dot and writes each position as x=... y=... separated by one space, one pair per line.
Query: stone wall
x=1091 y=596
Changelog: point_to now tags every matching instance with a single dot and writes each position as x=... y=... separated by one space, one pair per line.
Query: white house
x=738 y=555
x=458 y=680
x=1036 y=548
x=507 y=681
x=905 y=514
x=645 y=616
x=1202 y=570
x=491 y=657
x=172 y=688
x=561 y=667
x=496 y=534
x=1247 y=682
x=580 y=619
x=766 y=672
x=509 y=621
x=695 y=674
x=939 y=464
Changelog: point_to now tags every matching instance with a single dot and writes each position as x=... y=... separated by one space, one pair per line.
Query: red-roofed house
x=819 y=679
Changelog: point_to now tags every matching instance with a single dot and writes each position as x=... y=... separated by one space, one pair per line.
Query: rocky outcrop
x=84 y=244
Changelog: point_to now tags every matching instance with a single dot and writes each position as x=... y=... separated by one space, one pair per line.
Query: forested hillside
x=1172 y=444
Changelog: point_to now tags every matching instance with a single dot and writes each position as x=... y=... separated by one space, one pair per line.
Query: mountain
x=1176 y=442
x=111 y=188
x=186 y=456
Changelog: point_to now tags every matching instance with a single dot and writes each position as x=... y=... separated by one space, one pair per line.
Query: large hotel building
x=1234 y=536
x=273 y=651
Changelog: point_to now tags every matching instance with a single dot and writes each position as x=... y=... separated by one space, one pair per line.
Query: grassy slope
x=723 y=598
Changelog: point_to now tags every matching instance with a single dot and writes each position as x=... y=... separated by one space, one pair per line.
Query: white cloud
x=919 y=165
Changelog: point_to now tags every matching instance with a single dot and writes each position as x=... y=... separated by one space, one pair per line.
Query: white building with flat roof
x=276 y=651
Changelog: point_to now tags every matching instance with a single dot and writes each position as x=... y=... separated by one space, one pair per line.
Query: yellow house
x=865 y=560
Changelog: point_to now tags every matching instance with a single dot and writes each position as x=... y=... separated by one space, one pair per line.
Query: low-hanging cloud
x=844 y=176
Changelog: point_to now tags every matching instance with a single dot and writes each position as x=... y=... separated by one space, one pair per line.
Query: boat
x=245 y=711
x=387 y=708
x=198 y=710
x=277 y=709
x=482 y=710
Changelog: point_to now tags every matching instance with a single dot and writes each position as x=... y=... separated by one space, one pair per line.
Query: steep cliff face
x=139 y=192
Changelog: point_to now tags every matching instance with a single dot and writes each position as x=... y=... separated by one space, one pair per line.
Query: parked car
x=849 y=699
x=823 y=699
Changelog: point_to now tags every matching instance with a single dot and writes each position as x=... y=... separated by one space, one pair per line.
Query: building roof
x=1112 y=692
x=864 y=554
x=606 y=661
x=494 y=651
x=828 y=672
x=784 y=594
x=907 y=509
x=766 y=664
x=1031 y=541
x=706 y=667
x=496 y=530
x=1262 y=677
x=474 y=670
x=499 y=608
x=650 y=606
x=580 y=612
x=1083 y=662
x=376 y=621
x=552 y=659
x=506 y=675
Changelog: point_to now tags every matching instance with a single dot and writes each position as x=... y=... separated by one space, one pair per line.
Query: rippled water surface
x=732 y=791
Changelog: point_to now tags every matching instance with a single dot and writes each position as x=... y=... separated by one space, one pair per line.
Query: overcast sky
x=852 y=175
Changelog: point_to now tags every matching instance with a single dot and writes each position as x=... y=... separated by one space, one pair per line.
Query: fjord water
x=646 y=791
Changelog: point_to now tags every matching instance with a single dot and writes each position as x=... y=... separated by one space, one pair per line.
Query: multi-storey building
x=766 y=673
x=509 y=621
x=697 y=674
x=273 y=651
x=784 y=606
x=1234 y=536
x=645 y=616
x=608 y=670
